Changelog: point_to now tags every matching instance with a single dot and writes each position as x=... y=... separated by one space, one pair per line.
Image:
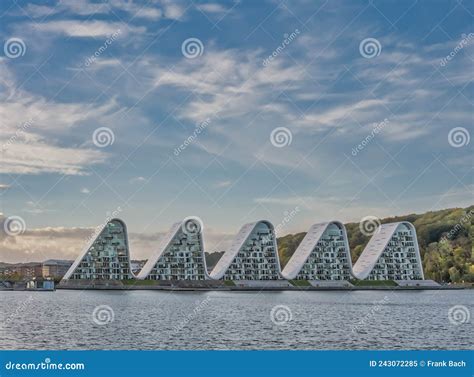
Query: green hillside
x=445 y=238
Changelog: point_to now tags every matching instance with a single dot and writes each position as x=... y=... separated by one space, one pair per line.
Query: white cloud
x=150 y=13
x=31 y=126
x=88 y=8
x=211 y=8
x=172 y=9
x=37 y=156
x=73 y=28
x=331 y=117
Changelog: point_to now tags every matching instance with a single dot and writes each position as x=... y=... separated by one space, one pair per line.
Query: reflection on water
x=233 y=320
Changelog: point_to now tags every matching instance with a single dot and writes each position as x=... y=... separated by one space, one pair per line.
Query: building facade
x=55 y=268
x=323 y=254
x=180 y=256
x=391 y=254
x=253 y=255
x=106 y=257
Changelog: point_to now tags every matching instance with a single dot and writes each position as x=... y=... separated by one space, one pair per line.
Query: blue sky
x=85 y=65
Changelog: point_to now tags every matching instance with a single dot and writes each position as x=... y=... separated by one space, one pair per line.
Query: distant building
x=55 y=268
x=22 y=270
x=323 y=254
x=253 y=255
x=39 y=284
x=106 y=257
x=391 y=254
x=179 y=256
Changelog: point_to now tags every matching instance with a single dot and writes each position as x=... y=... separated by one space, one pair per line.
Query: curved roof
x=238 y=242
x=91 y=241
x=307 y=245
x=377 y=245
x=162 y=247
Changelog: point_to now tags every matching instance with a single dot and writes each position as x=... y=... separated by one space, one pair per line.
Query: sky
x=296 y=112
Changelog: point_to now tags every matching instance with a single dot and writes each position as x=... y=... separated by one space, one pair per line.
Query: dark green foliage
x=287 y=246
x=212 y=259
x=300 y=283
x=373 y=283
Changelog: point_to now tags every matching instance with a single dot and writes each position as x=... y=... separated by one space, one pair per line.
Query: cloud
x=235 y=83
x=211 y=8
x=88 y=8
x=31 y=126
x=172 y=9
x=37 y=11
x=149 y=13
x=331 y=117
x=36 y=156
x=85 y=191
x=73 y=28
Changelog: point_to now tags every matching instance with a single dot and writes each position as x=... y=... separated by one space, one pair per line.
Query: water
x=233 y=320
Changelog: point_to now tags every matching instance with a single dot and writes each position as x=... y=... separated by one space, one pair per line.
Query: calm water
x=237 y=320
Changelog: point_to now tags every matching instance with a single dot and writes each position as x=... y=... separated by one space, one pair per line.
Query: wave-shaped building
x=323 y=254
x=253 y=255
x=179 y=256
x=391 y=254
x=105 y=257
